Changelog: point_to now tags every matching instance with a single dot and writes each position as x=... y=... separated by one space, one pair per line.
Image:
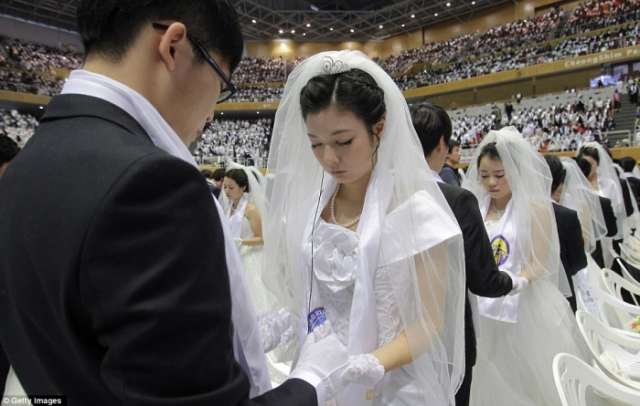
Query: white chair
x=615 y=283
x=573 y=379
x=616 y=353
x=625 y=271
x=613 y=311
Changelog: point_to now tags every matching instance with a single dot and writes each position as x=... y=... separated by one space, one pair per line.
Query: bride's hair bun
x=354 y=90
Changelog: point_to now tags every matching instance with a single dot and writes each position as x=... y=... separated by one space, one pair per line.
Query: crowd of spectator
x=466 y=66
x=549 y=126
x=243 y=141
x=544 y=38
x=17 y=126
x=551 y=123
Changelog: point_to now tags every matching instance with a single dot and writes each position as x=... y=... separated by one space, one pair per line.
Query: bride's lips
x=337 y=173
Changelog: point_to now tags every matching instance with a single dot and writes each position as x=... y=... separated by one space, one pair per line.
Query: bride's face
x=493 y=178
x=231 y=189
x=341 y=143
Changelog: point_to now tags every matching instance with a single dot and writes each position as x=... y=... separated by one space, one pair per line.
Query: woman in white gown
x=519 y=335
x=243 y=204
x=366 y=240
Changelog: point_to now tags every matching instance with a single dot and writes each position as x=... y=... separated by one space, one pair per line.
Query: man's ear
x=173 y=38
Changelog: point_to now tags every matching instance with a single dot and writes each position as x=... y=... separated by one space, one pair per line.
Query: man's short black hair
x=110 y=27
x=218 y=174
x=8 y=149
x=627 y=163
x=452 y=144
x=558 y=173
x=431 y=123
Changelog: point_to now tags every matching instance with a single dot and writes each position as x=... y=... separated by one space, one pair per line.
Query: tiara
x=332 y=66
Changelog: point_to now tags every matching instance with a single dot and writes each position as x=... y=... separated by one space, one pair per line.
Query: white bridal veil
x=406 y=226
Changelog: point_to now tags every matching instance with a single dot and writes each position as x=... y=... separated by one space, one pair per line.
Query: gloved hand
x=322 y=359
x=519 y=284
x=364 y=369
x=276 y=328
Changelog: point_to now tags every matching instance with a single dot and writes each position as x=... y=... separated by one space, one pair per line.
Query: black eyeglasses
x=228 y=89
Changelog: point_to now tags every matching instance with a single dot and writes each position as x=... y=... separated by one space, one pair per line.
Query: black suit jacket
x=483 y=276
x=572 y=253
x=113 y=281
x=626 y=196
x=634 y=185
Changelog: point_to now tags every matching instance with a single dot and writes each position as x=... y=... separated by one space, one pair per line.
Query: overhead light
x=254 y=21
x=352 y=30
x=304 y=34
x=41 y=107
x=331 y=29
x=435 y=14
x=413 y=16
x=293 y=31
x=281 y=31
x=308 y=25
x=222 y=113
x=448 y=4
x=473 y=3
x=257 y=112
x=381 y=26
x=402 y=26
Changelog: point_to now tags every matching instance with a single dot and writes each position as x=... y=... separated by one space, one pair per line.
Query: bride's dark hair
x=354 y=90
x=240 y=177
x=489 y=150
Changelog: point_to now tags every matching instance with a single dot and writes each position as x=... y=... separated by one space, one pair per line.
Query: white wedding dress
x=514 y=365
x=336 y=258
x=251 y=255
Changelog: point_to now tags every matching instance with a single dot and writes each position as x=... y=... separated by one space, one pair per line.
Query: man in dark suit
x=572 y=253
x=449 y=172
x=8 y=150
x=433 y=127
x=628 y=164
x=114 y=283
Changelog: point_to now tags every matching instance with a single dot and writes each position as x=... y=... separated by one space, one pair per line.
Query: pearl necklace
x=333 y=213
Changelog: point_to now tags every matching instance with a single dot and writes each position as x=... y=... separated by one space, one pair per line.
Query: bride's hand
x=364 y=369
x=276 y=329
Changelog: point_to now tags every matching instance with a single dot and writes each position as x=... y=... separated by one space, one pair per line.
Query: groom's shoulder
x=456 y=195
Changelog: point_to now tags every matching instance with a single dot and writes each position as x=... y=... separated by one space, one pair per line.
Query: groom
x=114 y=282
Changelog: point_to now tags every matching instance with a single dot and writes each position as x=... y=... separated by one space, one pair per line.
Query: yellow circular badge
x=501 y=250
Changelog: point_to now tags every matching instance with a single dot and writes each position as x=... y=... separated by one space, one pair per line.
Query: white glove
x=322 y=360
x=364 y=369
x=519 y=284
x=276 y=328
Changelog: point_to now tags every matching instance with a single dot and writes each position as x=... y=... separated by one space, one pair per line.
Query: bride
x=243 y=203
x=366 y=240
x=520 y=334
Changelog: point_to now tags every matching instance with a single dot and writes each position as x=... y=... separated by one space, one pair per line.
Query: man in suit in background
x=114 y=282
x=449 y=172
x=572 y=252
x=433 y=127
x=8 y=150
x=628 y=164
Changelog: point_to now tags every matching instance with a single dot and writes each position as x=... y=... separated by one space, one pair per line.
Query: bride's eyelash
x=346 y=142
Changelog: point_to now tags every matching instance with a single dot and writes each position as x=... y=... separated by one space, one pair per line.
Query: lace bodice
x=336 y=261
